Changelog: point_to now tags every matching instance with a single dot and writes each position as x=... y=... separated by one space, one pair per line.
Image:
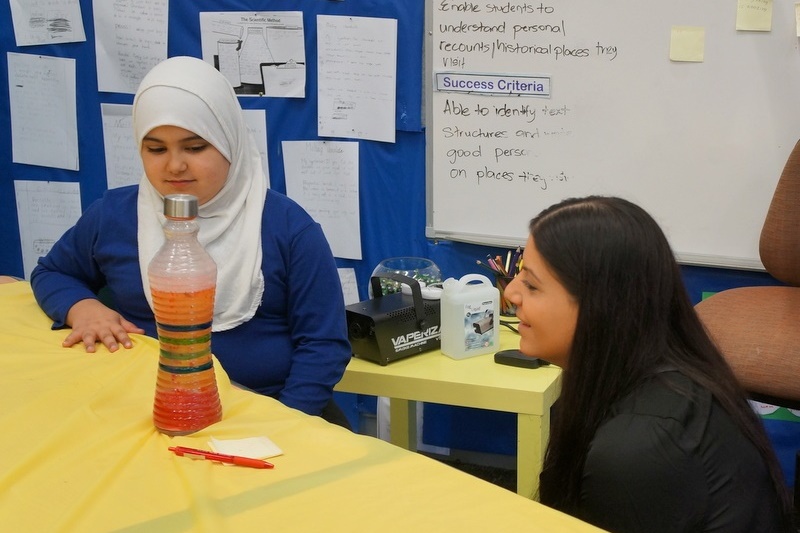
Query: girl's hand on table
x=93 y=322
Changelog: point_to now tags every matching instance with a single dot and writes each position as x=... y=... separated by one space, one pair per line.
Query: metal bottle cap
x=182 y=206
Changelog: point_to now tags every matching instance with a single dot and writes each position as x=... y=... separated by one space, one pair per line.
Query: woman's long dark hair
x=634 y=317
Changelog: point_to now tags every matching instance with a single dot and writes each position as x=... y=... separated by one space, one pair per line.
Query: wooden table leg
x=533 y=431
x=403 y=423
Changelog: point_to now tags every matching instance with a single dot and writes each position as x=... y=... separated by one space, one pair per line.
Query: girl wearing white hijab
x=230 y=221
x=279 y=322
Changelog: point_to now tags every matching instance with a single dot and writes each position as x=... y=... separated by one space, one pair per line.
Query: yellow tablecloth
x=79 y=452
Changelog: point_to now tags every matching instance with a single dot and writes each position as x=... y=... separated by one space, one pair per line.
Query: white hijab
x=191 y=94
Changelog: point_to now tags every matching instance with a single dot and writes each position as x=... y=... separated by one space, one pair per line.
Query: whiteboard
x=699 y=144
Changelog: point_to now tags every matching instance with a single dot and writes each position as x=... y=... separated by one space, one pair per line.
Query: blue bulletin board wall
x=392 y=180
x=392 y=198
x=392 y=176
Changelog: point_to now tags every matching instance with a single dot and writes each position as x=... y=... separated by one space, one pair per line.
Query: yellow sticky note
x=754 y=15
x=797 y=17
x=687 y=43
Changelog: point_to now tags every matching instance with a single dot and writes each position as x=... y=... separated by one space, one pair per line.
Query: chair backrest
x=779 y=246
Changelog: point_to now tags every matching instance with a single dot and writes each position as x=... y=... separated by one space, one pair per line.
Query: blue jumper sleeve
x=69 y=273
x=317 y=322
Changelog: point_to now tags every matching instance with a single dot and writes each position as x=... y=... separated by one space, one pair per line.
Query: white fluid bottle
x=470 y=316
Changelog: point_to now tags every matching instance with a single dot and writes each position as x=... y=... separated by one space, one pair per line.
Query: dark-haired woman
x=652 y=432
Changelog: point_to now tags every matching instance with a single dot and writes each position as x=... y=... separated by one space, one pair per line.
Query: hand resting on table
x=93 y=322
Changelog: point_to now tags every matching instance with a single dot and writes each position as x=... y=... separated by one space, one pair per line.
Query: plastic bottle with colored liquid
x=183 y=279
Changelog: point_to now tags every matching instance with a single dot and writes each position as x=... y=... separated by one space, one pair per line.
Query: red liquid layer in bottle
x=186 y=398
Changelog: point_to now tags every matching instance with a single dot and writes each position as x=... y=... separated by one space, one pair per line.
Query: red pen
x=221 y=457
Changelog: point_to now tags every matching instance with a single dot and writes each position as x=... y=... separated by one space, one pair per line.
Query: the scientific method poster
x=261 y=54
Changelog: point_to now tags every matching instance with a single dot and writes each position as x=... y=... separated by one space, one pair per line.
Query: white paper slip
x=253 y=447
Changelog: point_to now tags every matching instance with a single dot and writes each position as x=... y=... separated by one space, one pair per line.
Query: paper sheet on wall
x=47 y=22
x=45 y=210
x=256 y=120
x=43 y=113
x=347 y=277
x=261 y=53
x=357 y=73
x=322 y=177
x=130 y=39
x=123 y=164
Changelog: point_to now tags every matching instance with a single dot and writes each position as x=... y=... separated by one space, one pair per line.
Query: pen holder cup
x=506 y=307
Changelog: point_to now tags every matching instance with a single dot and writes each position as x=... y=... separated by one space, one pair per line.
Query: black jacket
x=670 y=459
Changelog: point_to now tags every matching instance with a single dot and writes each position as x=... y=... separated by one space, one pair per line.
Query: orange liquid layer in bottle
x=186 y=398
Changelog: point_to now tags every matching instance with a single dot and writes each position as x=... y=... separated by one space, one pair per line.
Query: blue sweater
x=295 y=348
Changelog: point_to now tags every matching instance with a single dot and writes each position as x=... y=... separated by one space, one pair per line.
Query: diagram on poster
x=261 y=53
